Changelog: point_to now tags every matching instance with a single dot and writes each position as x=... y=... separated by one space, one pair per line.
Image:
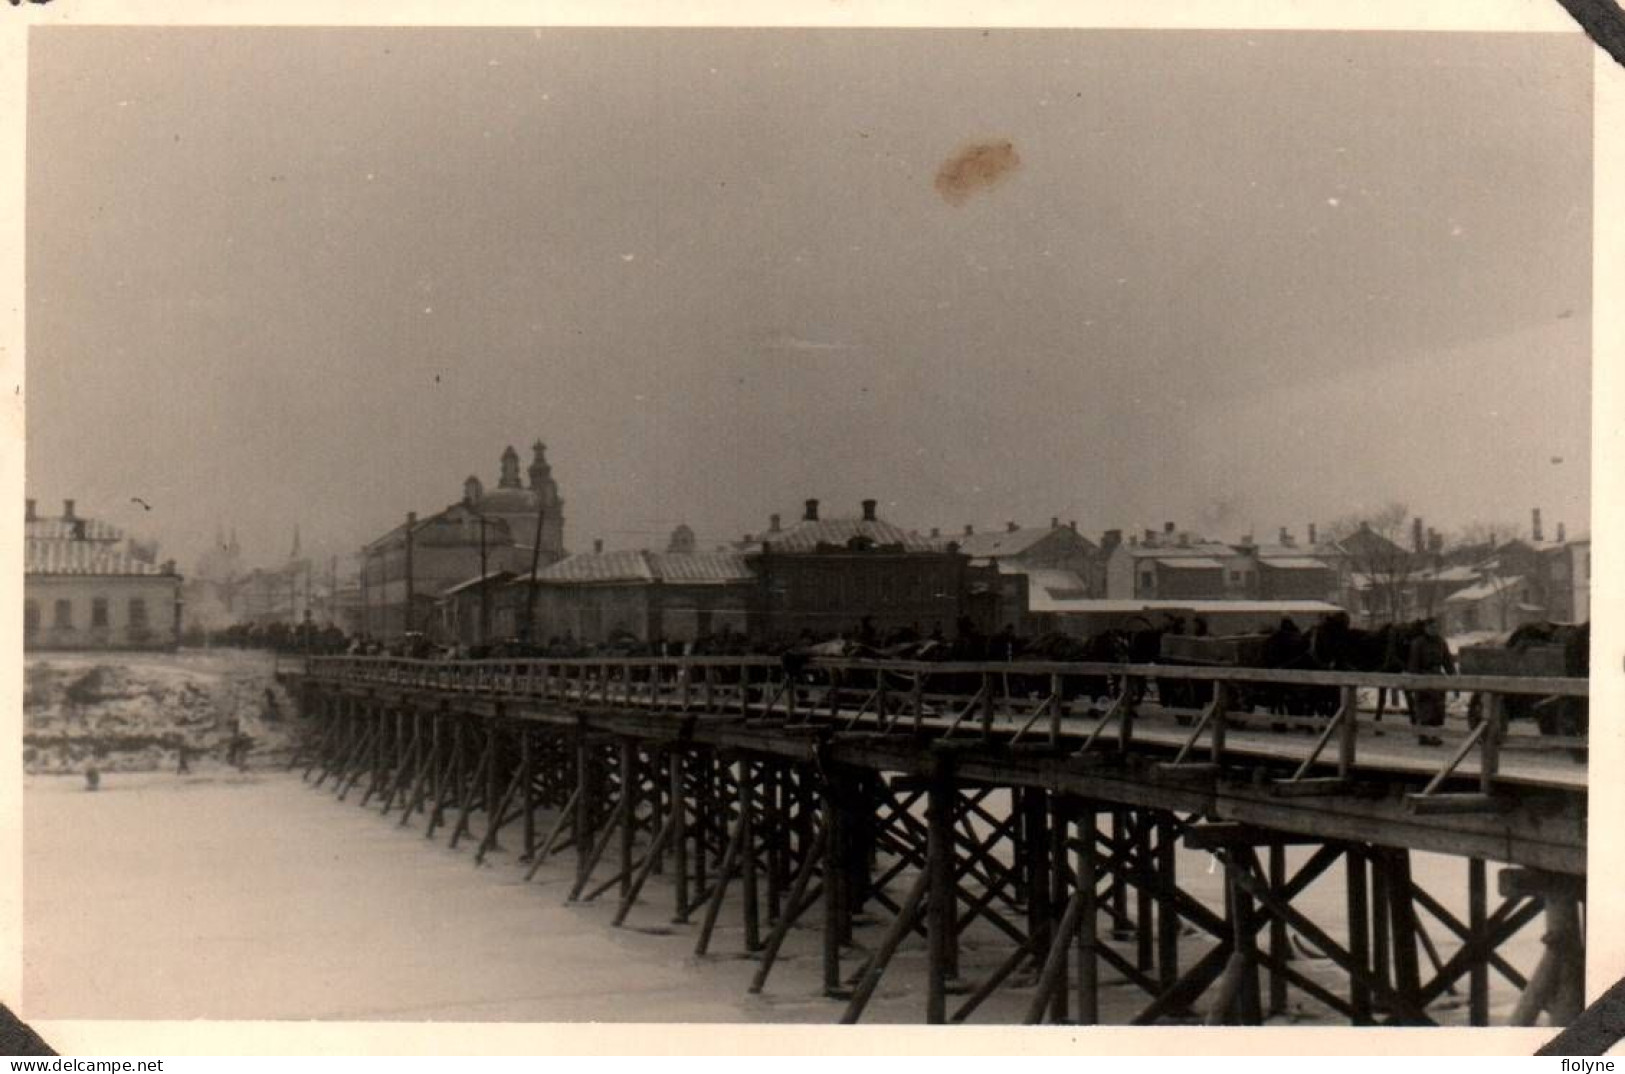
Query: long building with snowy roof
x=88 y=586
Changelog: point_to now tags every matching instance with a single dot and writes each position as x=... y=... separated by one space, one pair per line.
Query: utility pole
x=530 y=588
x=406 y=613
x=485 y=590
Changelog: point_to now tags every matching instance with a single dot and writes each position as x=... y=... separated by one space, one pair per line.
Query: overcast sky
x=1237 y=281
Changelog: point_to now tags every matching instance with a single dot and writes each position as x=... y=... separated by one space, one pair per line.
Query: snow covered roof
x=685 y=568
x=1194 y=549
x=998 y=543
x=69 y=529
x=491 y=576
x=807 y=536
x=1197 y=607
x=82 y=558
x=1189 y=563
x=1294 y=563
x=1488 y=588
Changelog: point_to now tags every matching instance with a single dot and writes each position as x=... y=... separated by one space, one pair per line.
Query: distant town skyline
x=1234 y=280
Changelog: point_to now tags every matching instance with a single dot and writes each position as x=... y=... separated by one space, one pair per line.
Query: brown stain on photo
x=978 y=166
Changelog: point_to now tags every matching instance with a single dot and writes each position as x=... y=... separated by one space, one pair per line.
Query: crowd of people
x=1330 y=644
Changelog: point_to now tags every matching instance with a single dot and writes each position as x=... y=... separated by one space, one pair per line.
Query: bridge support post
x=834 y=902
x=1478 y=981
x=1557 y=987
x=1359 y=922
x=1036 y=839
x=631 y=781
x=527 y=783
x=679 y=807
x=587 y=792
x=748 y=860
x=1060 y=939
x=940 y=897
x=1280 y=949
x=1168 y=925
x=1088 y=879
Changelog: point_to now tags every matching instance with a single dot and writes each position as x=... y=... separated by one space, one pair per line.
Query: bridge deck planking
x=1548 y=838
x=1388 y=749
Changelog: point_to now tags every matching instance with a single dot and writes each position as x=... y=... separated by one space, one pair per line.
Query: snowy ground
x=232 y=896
x=131 y=712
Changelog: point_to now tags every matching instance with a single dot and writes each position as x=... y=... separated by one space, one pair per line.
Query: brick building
x=826 y=576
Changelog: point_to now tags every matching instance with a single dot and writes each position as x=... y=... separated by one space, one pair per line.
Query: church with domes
x=522 y=507
x=489 y=532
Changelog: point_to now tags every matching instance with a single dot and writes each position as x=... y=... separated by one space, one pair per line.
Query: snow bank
x=131 y=712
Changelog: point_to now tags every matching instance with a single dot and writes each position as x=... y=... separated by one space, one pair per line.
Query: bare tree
x=1377 y=561
x=1483 y=537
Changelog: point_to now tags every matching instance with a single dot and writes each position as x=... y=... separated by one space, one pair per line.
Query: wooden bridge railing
x=943 y=698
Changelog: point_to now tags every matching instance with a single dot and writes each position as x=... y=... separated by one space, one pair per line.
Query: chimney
x=1312 y=541
x=869 y=510
x=812 y=511
x=1011 y=527
x=969 y=529
x=1562 y=535
x=1073 y=525
x=1110 y=540
x=1184 y=540
x=1054 y=523
x=1435 y=541
x=935 y=532
x=472 y=491
x=169 y=566
x=1417 y=544
x=67 y=513
x=597 y=545
x=773 y=523
x=31 y=516
x=1534 y=522
x=1284 y=539
x=1167 y=527
x=1150 y=537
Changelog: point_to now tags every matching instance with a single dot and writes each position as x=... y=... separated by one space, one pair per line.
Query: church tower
x=510 y=469
x=546 y=491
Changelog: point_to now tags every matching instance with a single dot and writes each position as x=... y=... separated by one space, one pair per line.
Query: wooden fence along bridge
x=1002 y=802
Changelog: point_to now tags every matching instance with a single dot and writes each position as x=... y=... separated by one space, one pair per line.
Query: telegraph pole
x=406 y=613
x=485 y=590
x=530 y=588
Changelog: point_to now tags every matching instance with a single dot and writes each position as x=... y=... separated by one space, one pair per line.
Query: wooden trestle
x=942 y=802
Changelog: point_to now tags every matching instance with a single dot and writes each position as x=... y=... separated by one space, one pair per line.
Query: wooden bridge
x=1038 y=808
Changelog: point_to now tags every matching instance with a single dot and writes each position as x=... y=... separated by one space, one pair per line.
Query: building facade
x=827 y=577
x=642 y=596
x=87 y=586
x=406 y=571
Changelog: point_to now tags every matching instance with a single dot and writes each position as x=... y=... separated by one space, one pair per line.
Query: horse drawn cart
x=1554 y=715
x=1203 y=650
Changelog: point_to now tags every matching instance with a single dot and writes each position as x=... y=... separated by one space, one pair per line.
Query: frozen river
x=254 y=896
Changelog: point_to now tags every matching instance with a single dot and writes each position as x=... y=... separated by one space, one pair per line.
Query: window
x=30 y=618
x=1235 y=577
x=138 y=613
x=98 y=612
x=64 y=615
